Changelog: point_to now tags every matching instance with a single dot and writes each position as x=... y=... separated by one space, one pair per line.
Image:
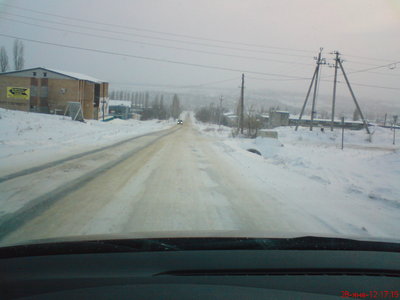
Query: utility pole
x=354 y=97
x=305 y=101
x=314 y=81
x=241 y=120
x=334 y=89
x=319 y=62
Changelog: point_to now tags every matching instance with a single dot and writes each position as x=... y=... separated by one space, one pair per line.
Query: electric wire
x=160 y=38
x=148 y=58
x=154 y=31
x=158 y=45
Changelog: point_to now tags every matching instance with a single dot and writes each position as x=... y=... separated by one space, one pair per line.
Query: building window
x=44 y=74
x=34 y=73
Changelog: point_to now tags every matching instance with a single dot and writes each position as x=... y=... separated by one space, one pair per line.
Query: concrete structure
x=48 y=91
x=274 y=119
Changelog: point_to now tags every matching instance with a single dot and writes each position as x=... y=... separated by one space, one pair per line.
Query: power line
x=369 y=58
x=158 y=38
x=186 y=49
x=154 y=31
x=210 y=83
x=372 y=86
x=158 y=45
x=369 y=69
x=148 y=58
x=359 y=84
x=179 y=35
x=173 y=86
x=185 y=63
x=275 y=79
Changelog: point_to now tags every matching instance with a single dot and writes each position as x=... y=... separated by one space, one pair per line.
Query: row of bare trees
x=211 y=114
x=18 y=54
x=158 y=110
x=215 y=114
x=155 y=108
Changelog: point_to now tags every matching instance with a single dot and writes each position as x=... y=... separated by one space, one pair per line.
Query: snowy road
x=182 y=180
x=177 y=183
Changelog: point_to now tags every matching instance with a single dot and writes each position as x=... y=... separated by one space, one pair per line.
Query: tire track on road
x=12 y=221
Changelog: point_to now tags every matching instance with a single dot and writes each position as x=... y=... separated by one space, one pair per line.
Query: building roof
x=73 y=75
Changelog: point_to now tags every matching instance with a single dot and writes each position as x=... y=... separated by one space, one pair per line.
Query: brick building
x=48 y=91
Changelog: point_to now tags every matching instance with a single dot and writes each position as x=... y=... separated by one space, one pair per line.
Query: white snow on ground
x=353 y=191
x=30 y=139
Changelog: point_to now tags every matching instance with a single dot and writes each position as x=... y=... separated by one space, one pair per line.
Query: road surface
x=173 y=182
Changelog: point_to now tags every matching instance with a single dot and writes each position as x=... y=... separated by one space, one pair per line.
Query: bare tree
x=253 y=124
x=3 y=59
x=18 y=55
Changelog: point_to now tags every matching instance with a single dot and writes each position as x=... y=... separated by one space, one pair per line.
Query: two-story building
x=48 y=91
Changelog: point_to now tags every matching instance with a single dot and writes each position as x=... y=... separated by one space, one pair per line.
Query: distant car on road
x=180 y=122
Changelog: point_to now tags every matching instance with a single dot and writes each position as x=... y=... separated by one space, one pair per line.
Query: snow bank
x=354 y=191
x=29 y=139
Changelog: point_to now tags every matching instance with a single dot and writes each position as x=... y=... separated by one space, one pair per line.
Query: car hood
x=215 y=234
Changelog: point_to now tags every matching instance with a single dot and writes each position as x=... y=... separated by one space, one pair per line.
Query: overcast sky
x=273 y=41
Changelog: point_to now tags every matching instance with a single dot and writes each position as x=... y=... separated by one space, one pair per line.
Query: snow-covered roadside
x=354 y=191
x=30 y=139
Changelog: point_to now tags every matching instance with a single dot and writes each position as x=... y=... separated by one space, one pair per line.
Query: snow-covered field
x=355 y=190
x=30 y=139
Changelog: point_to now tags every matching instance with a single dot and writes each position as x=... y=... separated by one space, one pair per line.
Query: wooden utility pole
x=241 y=106
x=334 y=89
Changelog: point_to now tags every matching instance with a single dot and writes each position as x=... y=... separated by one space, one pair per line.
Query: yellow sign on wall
x=18 y=92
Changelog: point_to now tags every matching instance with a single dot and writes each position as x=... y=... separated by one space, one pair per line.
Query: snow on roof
x=76 y=75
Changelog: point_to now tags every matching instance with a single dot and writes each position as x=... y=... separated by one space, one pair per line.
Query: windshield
x=199 y=119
